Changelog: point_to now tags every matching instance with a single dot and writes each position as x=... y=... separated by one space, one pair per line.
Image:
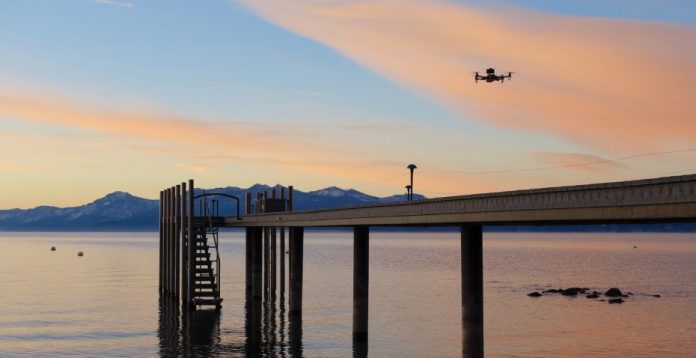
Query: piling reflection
x=267 y=329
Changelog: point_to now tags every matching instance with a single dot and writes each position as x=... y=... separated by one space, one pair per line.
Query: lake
x=106 y=303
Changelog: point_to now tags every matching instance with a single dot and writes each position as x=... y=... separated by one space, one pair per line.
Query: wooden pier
x=670 y=199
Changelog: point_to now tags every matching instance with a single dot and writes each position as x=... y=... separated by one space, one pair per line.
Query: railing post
x=472 y=290
x=361 y=281
x=296 y=248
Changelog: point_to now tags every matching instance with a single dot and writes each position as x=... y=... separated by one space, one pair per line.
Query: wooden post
x=184 y=248
x=177 y=242
x=249 y=244
x=296 y=247
x=256 y=268
x=472 y=290
x=273 y=255
x=361 y=281
x=266 y=259
x=282 y=253
x=161 y=243
x=172 y=242
x=190 y=246
x=166 y=242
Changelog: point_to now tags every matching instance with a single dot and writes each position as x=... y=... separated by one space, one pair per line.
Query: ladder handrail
x=213 y=230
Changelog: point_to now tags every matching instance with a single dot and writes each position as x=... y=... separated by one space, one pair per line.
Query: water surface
x=106 y=303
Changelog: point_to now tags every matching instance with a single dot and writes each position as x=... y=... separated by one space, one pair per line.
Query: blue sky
x=224 y=63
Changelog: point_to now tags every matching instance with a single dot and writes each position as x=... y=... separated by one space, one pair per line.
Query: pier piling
x=256 y=262
x=361 y=281
x=296 y=246
x=472 y=290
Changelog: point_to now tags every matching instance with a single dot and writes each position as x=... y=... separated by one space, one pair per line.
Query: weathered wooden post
x=184 y=248
x=177 y=241
x=172 y=241
x=282 y=252
x=191 y=249
x=266 y=257
x=161 y=243
x=166 y=241
x=361 y=281
x=296 y=247
x=273 y=255
x=472 y=290
x=247 y=210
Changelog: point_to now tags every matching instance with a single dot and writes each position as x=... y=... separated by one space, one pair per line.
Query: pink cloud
x=611 y=84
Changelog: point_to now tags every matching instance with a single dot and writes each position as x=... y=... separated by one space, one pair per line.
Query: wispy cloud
x=610 y=84
x=122 y=4
x=579 y=162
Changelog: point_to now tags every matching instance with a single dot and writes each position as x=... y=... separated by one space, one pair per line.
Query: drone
x=492 y=77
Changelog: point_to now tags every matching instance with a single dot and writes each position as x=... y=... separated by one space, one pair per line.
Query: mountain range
x=121 y=211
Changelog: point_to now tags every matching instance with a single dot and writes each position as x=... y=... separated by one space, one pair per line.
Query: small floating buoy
x=53 y=248
x=79 y=253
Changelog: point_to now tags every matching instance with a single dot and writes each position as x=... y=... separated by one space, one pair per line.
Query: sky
x=133 y=95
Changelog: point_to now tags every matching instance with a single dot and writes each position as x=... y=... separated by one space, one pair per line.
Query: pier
x=190 y=274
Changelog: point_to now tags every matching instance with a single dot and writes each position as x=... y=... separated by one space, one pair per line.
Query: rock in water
x=592 y=295
x=53 y=248
x=656 y=296
x=572 y=291
x=613 y=292
x=79 y=253
x=534 y=294
x=616 y=300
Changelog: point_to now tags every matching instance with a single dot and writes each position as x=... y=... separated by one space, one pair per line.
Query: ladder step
x=205 y=285
x=207 y=294
x=207 y=301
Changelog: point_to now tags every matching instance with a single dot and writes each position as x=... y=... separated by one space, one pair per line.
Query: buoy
x=53 y=248
x=79 y=253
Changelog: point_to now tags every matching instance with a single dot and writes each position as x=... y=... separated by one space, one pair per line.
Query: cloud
x=122 y=4
x=579 y=162
x=614 y=85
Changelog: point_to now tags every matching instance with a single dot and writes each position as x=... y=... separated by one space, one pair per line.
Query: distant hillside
x=120 y=211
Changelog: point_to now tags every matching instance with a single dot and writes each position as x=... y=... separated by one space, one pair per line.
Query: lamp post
x=411 y=167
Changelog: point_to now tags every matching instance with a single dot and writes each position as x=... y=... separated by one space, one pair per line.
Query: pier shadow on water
x=268 y=331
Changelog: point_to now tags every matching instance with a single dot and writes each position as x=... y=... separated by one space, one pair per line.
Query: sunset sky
x=134 y=95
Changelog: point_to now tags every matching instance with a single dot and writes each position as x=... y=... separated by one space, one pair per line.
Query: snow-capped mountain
x=122 y=211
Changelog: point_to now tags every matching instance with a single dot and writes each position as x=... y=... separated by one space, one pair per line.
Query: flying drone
x=490 y=76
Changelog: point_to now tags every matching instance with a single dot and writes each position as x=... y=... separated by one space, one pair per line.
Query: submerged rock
x=534 y=294
x=656 y=296
x=553 y=290
x=592 y=295
x=613 y=292
x=572 y=291
x=616 y=300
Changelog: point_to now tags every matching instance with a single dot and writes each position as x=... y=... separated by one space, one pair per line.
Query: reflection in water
x=268 y=331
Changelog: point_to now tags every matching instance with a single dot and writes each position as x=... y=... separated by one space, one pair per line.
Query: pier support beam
x=472 y=290
x=361 y=281
x=296 y=246
x=256 y=262
x=249 y=240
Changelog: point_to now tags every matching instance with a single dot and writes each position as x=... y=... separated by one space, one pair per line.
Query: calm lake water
x=106 y=303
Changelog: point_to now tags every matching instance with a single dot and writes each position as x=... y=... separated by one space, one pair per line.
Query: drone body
x=490 y=76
